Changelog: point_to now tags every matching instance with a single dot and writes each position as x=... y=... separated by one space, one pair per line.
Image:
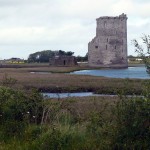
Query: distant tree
x=82 y=58
x=63 y=53
x=69 y=53
x=144 y=52
x=44 y=56
x=33 y=57
x=86 y=57
x=130 y=56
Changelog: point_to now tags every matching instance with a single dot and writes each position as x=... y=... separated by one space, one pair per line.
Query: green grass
x=85 y=123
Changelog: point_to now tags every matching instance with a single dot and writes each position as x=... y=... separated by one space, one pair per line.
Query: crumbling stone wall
x=62 y=61
x=109 y=47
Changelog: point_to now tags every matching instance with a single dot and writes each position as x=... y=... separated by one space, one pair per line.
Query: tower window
x=115 y=46
x=64 y=62
x=105 y=24
x=107 y=39
x=106 y=47
x=96 y=46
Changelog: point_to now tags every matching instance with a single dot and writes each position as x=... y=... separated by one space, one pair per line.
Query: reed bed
x=65 y=82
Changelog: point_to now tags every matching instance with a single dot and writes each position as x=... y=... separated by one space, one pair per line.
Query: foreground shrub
x=61 y=138
x=28 y=122
x=17 y=110
x=128 y=126
x=132 y=123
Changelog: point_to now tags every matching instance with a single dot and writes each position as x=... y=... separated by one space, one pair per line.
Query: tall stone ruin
x=109 y=47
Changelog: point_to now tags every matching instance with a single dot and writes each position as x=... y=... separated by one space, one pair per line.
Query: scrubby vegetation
x=28 y=121
x=143 y=50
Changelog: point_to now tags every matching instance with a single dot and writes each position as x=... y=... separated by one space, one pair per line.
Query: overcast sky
x=27 y=26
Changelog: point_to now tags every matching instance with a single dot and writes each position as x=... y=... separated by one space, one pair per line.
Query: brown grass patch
x=60 y=82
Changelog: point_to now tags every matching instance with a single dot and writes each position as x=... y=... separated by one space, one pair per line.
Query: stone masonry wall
x=62 y=61
x=109 y=47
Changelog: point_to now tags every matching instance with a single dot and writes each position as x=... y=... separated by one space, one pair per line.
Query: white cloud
x=30 y=25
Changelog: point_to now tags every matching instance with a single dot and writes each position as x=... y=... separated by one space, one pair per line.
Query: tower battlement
x=122 y=16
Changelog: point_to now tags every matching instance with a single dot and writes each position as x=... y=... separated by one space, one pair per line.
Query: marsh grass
x=60 y=82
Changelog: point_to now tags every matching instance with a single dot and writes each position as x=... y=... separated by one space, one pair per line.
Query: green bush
x=128 y=126
x=33 y=132
x=132 y=123
x=60 y=139
x=28 y=122
x=18 y=110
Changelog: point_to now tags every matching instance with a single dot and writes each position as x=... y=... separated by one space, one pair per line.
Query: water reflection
x=78 y=94
x=131 y=72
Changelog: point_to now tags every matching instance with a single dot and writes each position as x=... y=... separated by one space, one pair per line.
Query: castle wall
x=62 y=61
x=109 y=47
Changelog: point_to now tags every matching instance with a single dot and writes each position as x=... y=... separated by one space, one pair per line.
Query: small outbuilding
x=62 y=61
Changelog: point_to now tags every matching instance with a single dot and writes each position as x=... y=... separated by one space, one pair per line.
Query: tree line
x=45 y=55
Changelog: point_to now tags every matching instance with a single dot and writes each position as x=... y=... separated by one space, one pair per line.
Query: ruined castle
x=109 y=47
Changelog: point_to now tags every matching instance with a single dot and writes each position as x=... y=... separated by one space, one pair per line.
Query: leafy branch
x=144 y=54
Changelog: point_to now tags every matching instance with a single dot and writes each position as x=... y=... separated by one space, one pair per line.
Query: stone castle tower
x=109 y=47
